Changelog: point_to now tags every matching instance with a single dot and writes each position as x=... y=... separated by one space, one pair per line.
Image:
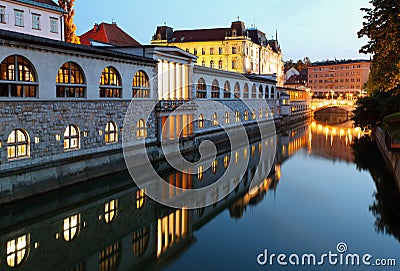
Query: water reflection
x=110 y=224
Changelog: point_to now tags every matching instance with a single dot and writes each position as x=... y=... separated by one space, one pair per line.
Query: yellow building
x=234 y=49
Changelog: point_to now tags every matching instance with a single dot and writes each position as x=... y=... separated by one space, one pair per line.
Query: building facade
x=237 y=49
x=42 y=18
x=343 y=79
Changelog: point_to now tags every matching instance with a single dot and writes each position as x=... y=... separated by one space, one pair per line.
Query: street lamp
x=332 y=92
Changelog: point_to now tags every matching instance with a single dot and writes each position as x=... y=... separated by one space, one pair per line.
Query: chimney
x=96 y=27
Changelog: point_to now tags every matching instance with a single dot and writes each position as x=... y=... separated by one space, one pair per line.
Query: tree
x=70 y=27
x=382 y=27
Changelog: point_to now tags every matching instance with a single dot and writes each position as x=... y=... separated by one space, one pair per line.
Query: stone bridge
x=317 y=105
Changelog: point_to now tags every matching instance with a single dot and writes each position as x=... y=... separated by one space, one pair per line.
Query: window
x=203 y=63
x=237 y=116
x=214 y=166
x=110 y=257
x=2 y=14
x=220 y=64
x=19 y=18
x=234 y=33
x=70 y=82
x=17 y=78
x=211 y=51
x=201 y=121
x=200 y=170
x=246 y=115
x=141 y=86
x=260 y=90
x=227 y=90
x=227 y=159
x=18 y=144
x=110 y=83
x=195 y=51
x=233 y=64
x=215 y=119
x=203 y=52
x=140 y=198
x=246 y=91
x=253 y=115
x=53 y=25
x=201 y=89
x=215 y=90
x=111 y=133
x=237 y=90
x=272 y=93
x=110 y=210
x=220 y=50
x=71 y=138
x=141 y=131
x=260 y=114
x=71 y=227
x=266 y=92
x=17 y=250
x=227 y=117
x=254 y=92
x=234 y=50
x=140 y=241
x=212 y=64
x=35 y=21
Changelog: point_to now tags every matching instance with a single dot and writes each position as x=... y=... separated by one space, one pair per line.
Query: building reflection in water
x=110 y=223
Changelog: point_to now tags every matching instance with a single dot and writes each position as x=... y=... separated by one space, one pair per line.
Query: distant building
x=105 y=33
x=235 y=48
x=290 y=72
x=345 y=78
x=43 y=18
x=297 y=81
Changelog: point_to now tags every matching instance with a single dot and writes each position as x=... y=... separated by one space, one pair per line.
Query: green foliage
x=299 y=65
x=367 y=113
x=382 y=27
x=391 y=124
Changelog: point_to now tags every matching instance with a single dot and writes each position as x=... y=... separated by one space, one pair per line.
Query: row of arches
x=18 y=78
x=19 y=141
x=238 y=117
x=265 y=92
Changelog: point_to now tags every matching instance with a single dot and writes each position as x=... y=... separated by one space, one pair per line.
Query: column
x=179 y=81
x=172 y=80
x=160 y=79
x=184 y=82
x=165 y=80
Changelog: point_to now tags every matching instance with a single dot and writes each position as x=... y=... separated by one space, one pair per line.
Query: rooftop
x=49 y=4
x=336 y=62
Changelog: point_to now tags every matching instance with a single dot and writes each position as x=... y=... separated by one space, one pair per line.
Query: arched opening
x=70 y=81
x=110 y=83
x=140 y=85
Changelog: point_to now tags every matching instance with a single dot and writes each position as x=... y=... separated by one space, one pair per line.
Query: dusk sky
x=319 y=29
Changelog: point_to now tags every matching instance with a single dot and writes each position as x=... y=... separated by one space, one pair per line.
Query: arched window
x=140 y=198
x=71 y=227
x=254 y=91
x=237 y=116
x=253 y=115
x=237 y=90
x=203 y=63
x=201 y=121
x=110 y=257
x=201 y=89
x=260 y=90
x=18 y=144
x=272 y=93
x=200 y=170
x=70 y=81
x=227 y=117
x=141 y=85
x=71 y=138
x=110 y=210
x=267 y=113
x=260 y=114
x=227 y=159
x=227 y=90
x=246 y=115
x=215 y=89
x=215 y=119
x=17 y=250
x=140 y=241
x=220 y=64
x=17 y=78
x=141 y=131
x=246 y=91
x=212 y=64
x=214 y=166
x=266 y=96
x=111 y=132
x=110 y=83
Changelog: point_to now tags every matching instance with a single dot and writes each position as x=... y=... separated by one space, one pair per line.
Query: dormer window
x=234 y=33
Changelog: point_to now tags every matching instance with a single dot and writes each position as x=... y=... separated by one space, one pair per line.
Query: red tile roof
x=200 y=34
x=108 y=33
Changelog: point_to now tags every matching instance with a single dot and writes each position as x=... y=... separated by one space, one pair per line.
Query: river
x=329 y=192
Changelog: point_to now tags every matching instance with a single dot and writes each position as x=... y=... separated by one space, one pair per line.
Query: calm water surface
x=327 y=187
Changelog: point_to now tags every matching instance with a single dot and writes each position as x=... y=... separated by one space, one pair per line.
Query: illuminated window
x=226 y=117
x=237 y=116
x=211 y=51
x=260 y=114
x=71 y=227
x=200 y=170
x=253 y=150
x=237 y=157
x=246 y=115
x=214 y=166
x=236 y=90
x=17 y=78
x=18 y=144
x=111 y=133
x=141 y=131
x=110 y=210
x=71 y=138
x=110 y=257
x=110 y=83
x=17 y=250
x=201 y=89
x=227 y=90
x=141 y=85
x=245 y=153
x=215 y=89
x=226 y=161
x=253 y=115
x=140 y=198
x=70 y=82
x=140 y=241
x=215 y=119
x=201 y=121
x=266 y=113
